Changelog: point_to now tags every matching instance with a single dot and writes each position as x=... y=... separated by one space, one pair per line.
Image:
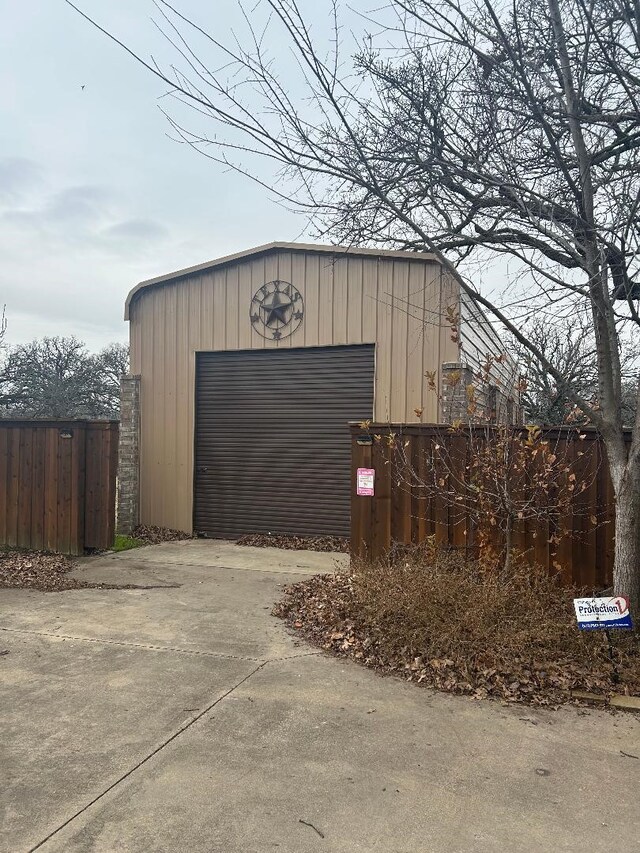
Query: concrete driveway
x=185 y=718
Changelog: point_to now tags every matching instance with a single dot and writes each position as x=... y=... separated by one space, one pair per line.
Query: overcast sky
x=94 y=195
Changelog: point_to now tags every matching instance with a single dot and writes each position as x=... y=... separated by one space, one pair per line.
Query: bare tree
x=568 y=345
x=495 y=478
x=60 y=378
x=112 y=363
x=630 y=402
x=470 y=129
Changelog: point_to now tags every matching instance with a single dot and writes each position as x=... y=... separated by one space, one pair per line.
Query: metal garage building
x=250 y=367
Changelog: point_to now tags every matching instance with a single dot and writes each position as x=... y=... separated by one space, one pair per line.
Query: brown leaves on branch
x=495 y=479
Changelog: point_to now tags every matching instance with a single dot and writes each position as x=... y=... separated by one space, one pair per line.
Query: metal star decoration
x=276 y=310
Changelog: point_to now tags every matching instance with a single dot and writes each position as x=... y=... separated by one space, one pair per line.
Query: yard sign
x=602 y=613
x=366 y=477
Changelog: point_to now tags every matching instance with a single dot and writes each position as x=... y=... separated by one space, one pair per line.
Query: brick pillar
x=129 y=456
x=454 y=401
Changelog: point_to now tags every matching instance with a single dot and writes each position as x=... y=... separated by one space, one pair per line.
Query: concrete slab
x=186 y=718
x=76 y=716
x=215 y=552
x=372 y=764
x=214 y=608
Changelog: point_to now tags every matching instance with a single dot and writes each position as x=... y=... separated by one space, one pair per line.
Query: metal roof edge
x=271 y=247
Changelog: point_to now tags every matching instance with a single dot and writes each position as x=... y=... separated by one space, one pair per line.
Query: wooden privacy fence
x=58 y=484
x=578 y=540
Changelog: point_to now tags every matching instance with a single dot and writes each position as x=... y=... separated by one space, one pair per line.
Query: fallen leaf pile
x=151 y=535
x=455 y=629
x=295 y=543
x=37 y=570
x=50 y=573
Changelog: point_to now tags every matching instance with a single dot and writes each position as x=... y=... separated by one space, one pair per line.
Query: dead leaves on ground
x=295 y=543
x=327 y=611
x=151 y=535
x=36 y=570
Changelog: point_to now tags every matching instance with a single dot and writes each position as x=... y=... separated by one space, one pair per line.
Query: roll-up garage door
x=272 y=446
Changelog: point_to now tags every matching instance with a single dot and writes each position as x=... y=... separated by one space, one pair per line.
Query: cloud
x=84 y=203
x=18 y=175
x=84 y=216
x=136 y=230
x=71 y=254
x=67 y=212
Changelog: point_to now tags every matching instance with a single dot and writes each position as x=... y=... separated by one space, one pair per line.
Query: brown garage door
x=272 y=447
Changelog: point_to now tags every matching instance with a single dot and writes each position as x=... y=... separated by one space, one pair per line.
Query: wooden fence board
x=64 y=496
x=51 y=496
x=4 y=485
x=50 y=534
x=77 y=493
x=419 y=509
x=25 y=486
x=13 y=481
x=93 y=472
x=362 y=518
x=38 y=485
x=401 y=511
x=458 y=513
x=380 y=534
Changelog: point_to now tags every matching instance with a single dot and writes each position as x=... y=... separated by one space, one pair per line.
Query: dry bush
x=460 y=626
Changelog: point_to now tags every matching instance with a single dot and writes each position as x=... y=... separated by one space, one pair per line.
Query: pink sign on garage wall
x=366 y=477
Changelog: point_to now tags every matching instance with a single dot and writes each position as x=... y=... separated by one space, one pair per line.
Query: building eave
x=265 y=249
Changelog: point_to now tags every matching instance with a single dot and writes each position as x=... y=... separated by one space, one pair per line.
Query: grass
x=126 y=543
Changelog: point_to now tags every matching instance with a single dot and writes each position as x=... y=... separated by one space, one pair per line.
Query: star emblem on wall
x=276 y=310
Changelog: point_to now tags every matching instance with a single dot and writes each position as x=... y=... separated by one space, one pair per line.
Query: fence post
x=129 y=456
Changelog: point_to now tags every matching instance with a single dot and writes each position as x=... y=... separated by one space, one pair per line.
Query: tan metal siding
x=479 y=339
x=395 y=303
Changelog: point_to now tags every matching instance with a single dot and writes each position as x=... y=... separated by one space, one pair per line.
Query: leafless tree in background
x=60 y=378
x=481 y=128
x=570 y=346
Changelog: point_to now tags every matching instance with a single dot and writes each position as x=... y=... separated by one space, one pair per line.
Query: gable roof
x=265 y=249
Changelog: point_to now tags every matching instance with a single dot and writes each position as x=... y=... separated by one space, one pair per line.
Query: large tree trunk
x=626 y=569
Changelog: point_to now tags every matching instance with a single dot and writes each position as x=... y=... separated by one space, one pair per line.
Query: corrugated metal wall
x=479 y=338
x=498 y=396
x=394 y=303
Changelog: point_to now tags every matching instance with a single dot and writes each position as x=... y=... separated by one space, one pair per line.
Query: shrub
x=428 y=615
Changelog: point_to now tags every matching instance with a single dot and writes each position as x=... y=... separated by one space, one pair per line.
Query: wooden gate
x=58 y=484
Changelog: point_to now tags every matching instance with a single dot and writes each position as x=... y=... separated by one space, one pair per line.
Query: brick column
x=454 y=401
x=129 y=456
